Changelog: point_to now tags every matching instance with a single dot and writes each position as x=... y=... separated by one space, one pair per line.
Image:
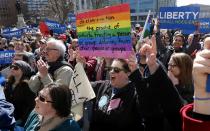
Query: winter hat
x=25 y=68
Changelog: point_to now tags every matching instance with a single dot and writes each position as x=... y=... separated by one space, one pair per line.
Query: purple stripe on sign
x=106 y=47
x=109 y=54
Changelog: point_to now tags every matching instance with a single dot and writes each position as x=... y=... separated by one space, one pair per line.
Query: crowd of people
x=161 y=86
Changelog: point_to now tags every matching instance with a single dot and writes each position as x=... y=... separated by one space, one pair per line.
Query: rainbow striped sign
x=105 y=32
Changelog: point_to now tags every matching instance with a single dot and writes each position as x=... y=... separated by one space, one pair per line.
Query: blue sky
x=187 y=2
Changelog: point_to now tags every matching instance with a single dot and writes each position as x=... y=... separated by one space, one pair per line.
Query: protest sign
x=178 y=17
x=81 y=90
x=80 y=86
x=55 y=26
x=5 y=30
x=6 y=57
x=72 y=20
x=15 y=33
x=203 y=27
x=105 y=32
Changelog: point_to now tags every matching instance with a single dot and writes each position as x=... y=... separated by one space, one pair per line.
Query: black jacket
x=22 y=98
x=124 y=113
x=158 y=99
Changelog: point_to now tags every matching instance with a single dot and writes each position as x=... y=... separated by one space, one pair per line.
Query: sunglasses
x=114 y=69
x=42 y=99
x=14 y=67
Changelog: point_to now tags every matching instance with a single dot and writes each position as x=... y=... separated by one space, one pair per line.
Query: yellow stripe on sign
x=105 y=26
x=104 y=18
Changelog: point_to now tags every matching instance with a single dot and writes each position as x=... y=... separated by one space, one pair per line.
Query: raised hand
x=42 y=68
x=132 y=62
x=149 y=50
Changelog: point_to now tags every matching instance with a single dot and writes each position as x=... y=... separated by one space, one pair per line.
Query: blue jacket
x=68 y=125
x=33 y=123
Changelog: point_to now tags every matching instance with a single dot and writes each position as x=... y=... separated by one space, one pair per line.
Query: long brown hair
x=185 y=64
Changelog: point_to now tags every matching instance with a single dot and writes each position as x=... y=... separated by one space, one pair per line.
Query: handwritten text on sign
x=80 y=86
x=105 y=32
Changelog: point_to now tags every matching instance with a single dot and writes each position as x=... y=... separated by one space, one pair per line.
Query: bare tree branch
x=60 y=8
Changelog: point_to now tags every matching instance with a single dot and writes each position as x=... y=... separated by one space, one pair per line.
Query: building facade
x=139 y=8
x=8 y=13
x=35 y=9
x=82 y=5
x=204 y=10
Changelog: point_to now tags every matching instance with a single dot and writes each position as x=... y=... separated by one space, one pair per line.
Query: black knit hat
x=25 y=68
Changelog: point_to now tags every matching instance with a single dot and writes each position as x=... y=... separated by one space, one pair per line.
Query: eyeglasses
x=49 y=49
x=14 y=67
x=172 y=65
x=42 y=99
x=114 y=69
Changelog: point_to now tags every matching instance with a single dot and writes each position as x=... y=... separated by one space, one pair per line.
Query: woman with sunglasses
x=52 y=110
x=115 y=106
x=17 y=91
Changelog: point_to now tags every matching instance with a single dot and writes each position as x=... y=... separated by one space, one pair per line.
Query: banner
x=5 y=30
x=178 y=17
x=6 y=57
x=105 y=32
x=204 y=25
x=72 y=20
x=10 y=34
x=55 y=26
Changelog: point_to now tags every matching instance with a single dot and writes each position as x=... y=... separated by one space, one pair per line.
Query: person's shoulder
x=65 y=68
x=68 y=125
x=101 y=82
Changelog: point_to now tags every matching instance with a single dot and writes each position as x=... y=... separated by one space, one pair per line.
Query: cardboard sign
x=105 y=32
